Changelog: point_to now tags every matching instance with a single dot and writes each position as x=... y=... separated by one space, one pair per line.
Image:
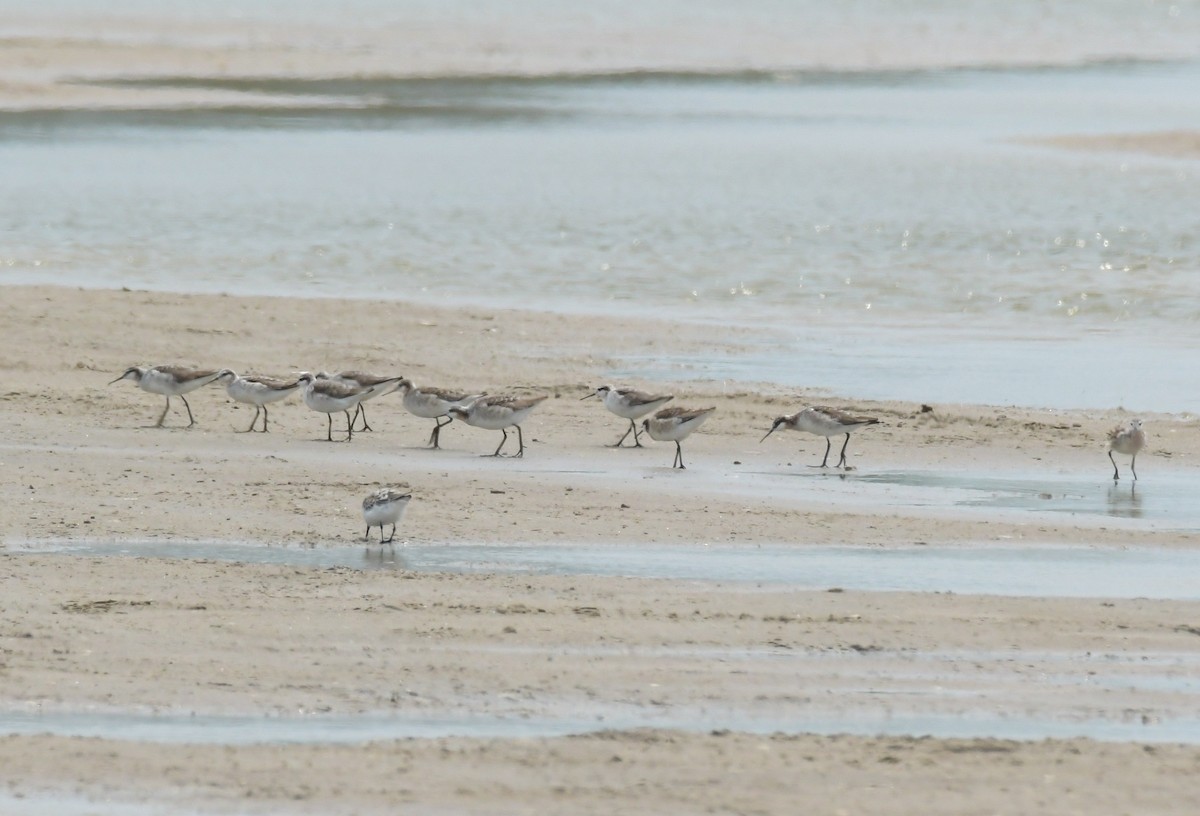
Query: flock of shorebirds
x=329 y=393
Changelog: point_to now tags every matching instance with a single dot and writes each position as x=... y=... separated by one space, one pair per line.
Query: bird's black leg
x=1133 y=466
x=622 y=439
x=253 y=422
x=502 y=441
x=350 y=434
x=329 y=430
x=191 y=419
x=678 y=456
x=163 y=416
x=520 y=443
x=363 y=411
x=367 y=534
x=842 y=460
x=637 y=443
x=264 y=419
x=437 y=431
x=389 y=538
x=828 y=445
x=1116 y=473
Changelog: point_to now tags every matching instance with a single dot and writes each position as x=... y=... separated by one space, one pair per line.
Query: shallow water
x=1163 y=501
x=1168 y=501
x=881 y=227
x=1014 y=571
x=234 y=730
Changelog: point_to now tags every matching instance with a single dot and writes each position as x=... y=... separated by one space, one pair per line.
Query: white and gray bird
x=675 y=425
x=170 y=381
x=384 y=506
x=362 y=379
x=630 y=404
x=433 y=403
x=1127 y=438
x=497 y=414
x=328 y=396
x=826 y=422
x=258 y=391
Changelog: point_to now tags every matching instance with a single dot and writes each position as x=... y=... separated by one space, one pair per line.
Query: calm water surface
x=888 y=227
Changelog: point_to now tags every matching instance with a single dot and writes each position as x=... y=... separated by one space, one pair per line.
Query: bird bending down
x=170 y=381
x=498 y=413
x=384 y=506
x=433 y=403
x=361 y=379
x=257 y=391
x=330 y=396
x=1127 y=438
x=630 y=404
x=826 y=422
x=675 y=425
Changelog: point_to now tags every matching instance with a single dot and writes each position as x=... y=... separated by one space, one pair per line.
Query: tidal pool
x=1045 y=571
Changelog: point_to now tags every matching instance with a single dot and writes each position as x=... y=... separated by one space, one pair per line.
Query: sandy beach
x=650 y=659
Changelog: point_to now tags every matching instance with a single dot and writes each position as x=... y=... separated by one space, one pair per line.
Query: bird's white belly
x=254 y=393
x=622 y=409
x=495 y=418
x=384 y=514
x=424 y=405
x=327 y=404
x=157 y=383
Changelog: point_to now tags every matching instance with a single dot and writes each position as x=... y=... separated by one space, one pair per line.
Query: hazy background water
x=857 y=179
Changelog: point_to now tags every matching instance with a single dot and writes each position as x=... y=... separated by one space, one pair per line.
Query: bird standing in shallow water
x=630 y=404
x=498 y=413
x=170 y=381
x=826 y=422
x=1127 y=438
x=675 y=425
x=384 y=506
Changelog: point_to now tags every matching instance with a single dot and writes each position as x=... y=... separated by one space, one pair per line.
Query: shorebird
x=826 y=422
x=433 y=403
x=257 y=391
x=675 y=425
x=329 y=396
x=384 y=506
x=360 y=379
x=497 y=414
x=170 y=381
x=630 y=404
x=1128 y=438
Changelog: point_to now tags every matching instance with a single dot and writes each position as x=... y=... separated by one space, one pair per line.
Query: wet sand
x=84 y=58
x=665 y=663
x=1178 y=144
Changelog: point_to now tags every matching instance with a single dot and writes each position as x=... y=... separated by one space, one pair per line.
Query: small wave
x=382 y=84
x=474 y=98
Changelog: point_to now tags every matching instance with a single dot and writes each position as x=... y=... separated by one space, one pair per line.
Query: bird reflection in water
x=383 y=558
x=1125 y=500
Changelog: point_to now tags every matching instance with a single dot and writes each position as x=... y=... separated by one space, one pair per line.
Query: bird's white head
x=134 y=373
x=778 y=423
x=600 y=393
